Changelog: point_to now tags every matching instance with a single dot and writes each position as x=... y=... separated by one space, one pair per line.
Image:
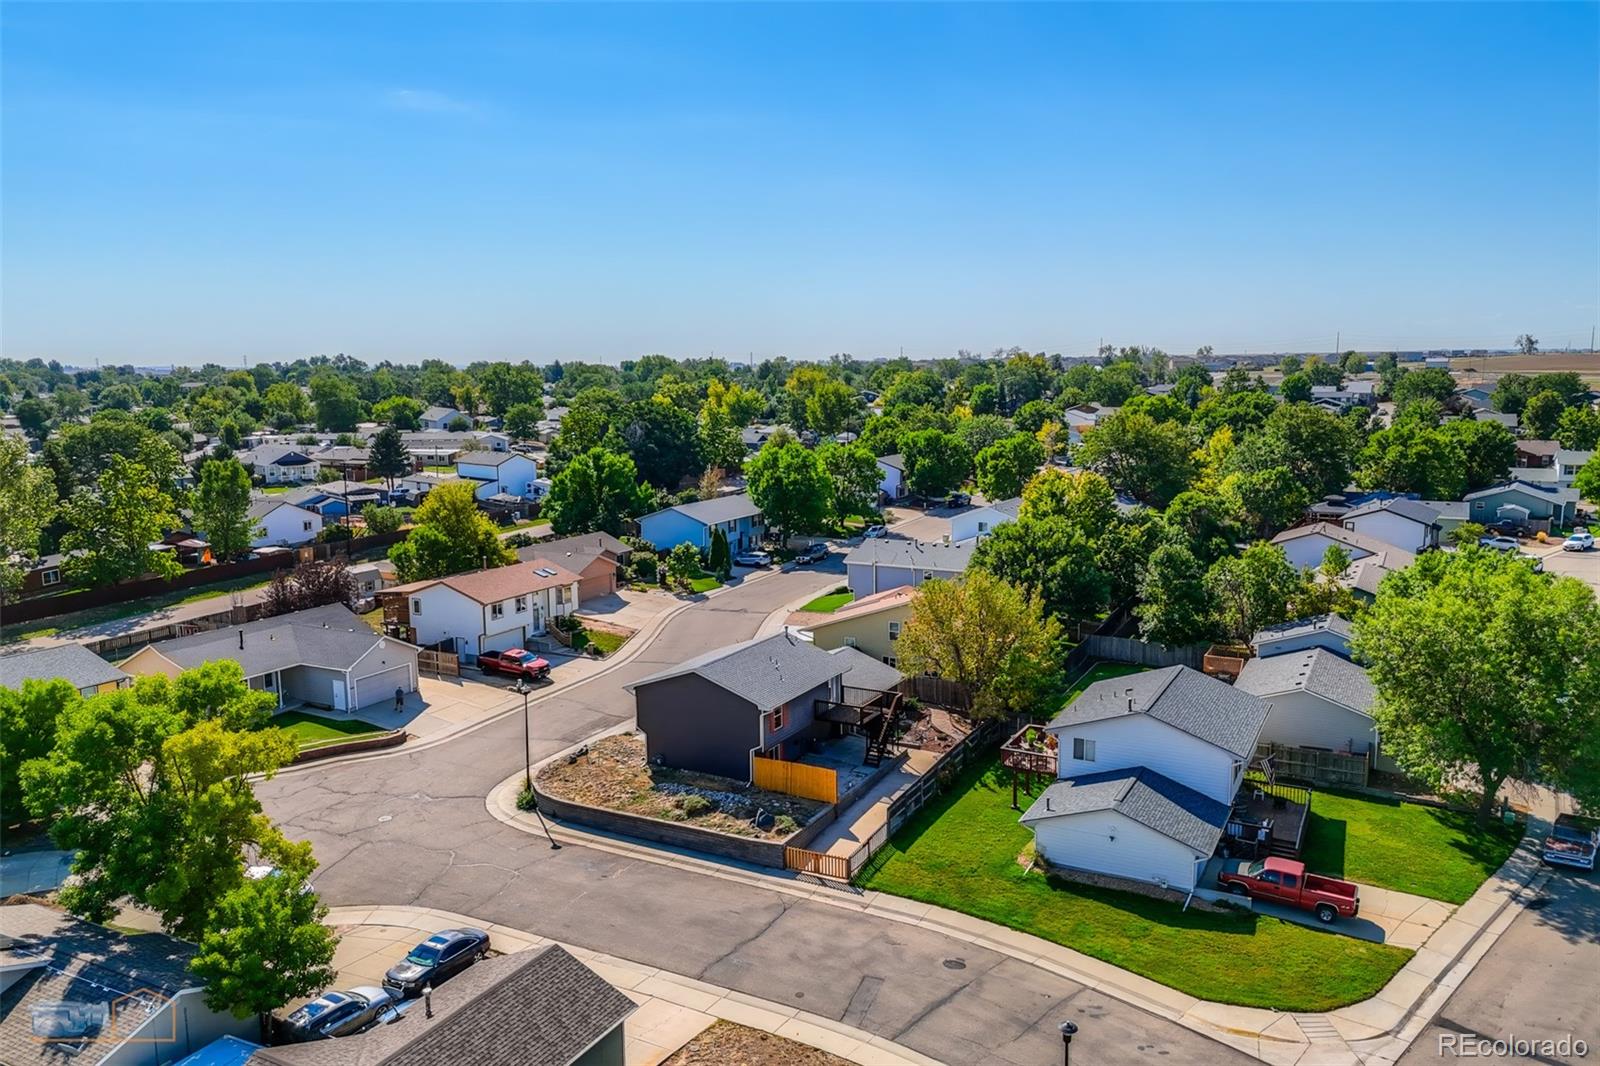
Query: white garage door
x=510 y=638
x=379 y=687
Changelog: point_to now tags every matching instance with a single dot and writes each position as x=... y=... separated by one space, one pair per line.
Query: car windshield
x=1571 y=832
x=424 y=955
x=317 y=1008
x=1255 y=868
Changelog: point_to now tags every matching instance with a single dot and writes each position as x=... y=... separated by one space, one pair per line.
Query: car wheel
x=1326 y=913
x=1239 y=890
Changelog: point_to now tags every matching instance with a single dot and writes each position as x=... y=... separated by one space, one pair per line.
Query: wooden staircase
x=878 y=742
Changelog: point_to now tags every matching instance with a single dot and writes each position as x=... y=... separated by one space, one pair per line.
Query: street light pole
x=1067 y=1031
x=527 y=751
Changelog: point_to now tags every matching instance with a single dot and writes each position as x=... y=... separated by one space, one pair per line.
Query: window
x=561 y=595
x=522 y=604
x=50 y=577
x=497 y=610
x=1083 y=749
x=1290 y=880
x=890 y=660
x=775 y=719
x=983 y=527
x=306 y=525
x=416 y=605
x=894 y=630
x=1270 y=877
x=849 y=642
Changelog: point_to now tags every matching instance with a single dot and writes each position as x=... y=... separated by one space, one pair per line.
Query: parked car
x=514 y=662
x=1578 y=542
x=436 y=959
x=812 y=553
x=874 y=532
x=1572 y=842
x=1534 y=560
x=1499 y=544
x=339 y=1014
x=753 y=559
x=1286 y=881
x=957 y=499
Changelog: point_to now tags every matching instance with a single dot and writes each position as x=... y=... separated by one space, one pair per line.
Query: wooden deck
x=1283 y=809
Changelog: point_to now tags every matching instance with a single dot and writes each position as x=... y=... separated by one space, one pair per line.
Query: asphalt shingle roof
x=1185 y=699
x=892 y=551
x=1318 y=671
x=893 y=462
x=1300 y=627
x=720 y=509
x=1415 y=510
x=530 y=1008
x=329 y=636
x=484 y=458
x=1151 y=799
x=73 y=662
x=578 y=550
x=767 y=671
x=864 y=671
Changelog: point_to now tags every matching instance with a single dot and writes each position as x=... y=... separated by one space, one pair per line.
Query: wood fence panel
x=1318 y=767
x=797 y=779
x=441 y=663
x=815 y=862
x=1129 y=650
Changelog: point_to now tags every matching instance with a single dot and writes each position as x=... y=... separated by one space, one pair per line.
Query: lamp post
x=524 y=688
x=1067 y=1031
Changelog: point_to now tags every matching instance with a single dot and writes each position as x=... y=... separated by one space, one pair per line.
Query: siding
x=315 y=685
x=1109 y=843
x=693 y=724
x=1305 y=642
x=870 y=632
x=1139 y=740
x=1307 y=552
x=669 y=529
x=799 y=723
x=1306 y=720
x=1393 y=529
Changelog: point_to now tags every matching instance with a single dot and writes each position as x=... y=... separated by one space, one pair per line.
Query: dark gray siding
x=694 y=725
x=799 y=724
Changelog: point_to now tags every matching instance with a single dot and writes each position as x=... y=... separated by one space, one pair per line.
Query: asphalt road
x=1540 y=981
x=412 y=828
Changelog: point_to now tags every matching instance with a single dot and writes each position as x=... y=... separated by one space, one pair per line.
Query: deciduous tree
x=1149 y=460
x=27 y=504
x=1251 y=590
x=451 y=536
x=936 y=462
x=1175 y=608
x=114 y=524
x=787 y=481
x=1005 y=466
x=853 y=478
x=596 y=491
x=222 y=508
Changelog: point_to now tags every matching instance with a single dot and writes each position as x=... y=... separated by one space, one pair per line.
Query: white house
x=1408 y=524
x=892 y=476
x=280 y=464
x=981 y=521
x=1148 y=767
x=1568 y=462
x=692 y=523
x=279 y=522
x=889 y=562
x=439 y=417
x=1304 y=634
x=486 y=610
x=500 y=473
x=1318 y=699
x=1304 y=546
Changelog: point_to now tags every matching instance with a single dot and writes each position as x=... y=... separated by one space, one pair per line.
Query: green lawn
x=830 y=602
x=704 y=581
x=606 y=642
x=310 y=729
x=1404 y=846
x=961 y=852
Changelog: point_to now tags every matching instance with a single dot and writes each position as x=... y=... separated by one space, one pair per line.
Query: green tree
x=936 y=462
x=28 y=719
x=1511 y=393
x=113 y=526
x=522 y=420
x=719 y=441
x=661 y=436
x=1149 y=460
x=1007 y=465
x=1175 y=608
x=1542 y=415
x=222 y=508
x=787 y=481
x=1411 y=456
x=1265 y=501
x=720 y=560
x=33 y=415
x=1430 y=384
x=1466 y=535
x=1082 y=497
x=1049 y=558
x=683 y=565
x=1296 y=388
x=982 y=431
x=985 y=634
x=266 y=942
x=387 y=456
x=853 y=478
x=1459 y=647
x=596 y=491
x=503 y=386
x=831 y=407
x=450 y=536
x=1488 y=448
x=286 y=404
x=381 y=519
x=27 y=504
x=1251 y=590
x=400 y=412
x=1579 y=428
x=338 y=404
x=1588 y=480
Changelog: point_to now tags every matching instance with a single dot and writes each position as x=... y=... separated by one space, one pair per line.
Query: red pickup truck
x=1286 y=881
x=518 y=662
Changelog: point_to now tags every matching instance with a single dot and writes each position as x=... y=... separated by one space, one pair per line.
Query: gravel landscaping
x=613 y=774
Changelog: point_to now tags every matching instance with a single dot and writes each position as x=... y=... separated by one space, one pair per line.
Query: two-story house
x=279 y=523
x=892 y=476
x=439 y=417
x=1148 y=766
x=499 y=473
x=717 y=712
x=485 y=610
x=692 y=523
x=871 y=624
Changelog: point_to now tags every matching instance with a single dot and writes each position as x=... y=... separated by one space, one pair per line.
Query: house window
x=561 y=595
x=497 y=610
x=894 y=630
x=849 y=642
x=983 y=527
x=521 y=604
x=416 y=606
x=1083 y=749
x=306 y=525
x=890 y=660
x=50 y=577
x=775 y=719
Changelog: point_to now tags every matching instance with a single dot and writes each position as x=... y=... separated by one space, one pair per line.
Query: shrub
x=695 y=805
x=785 y=824
x=526 y=800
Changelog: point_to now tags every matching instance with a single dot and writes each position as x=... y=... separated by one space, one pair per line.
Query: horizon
x=214 y=184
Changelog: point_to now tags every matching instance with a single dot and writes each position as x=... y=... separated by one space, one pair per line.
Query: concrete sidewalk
x=673 y=1009
x=1375 y=1032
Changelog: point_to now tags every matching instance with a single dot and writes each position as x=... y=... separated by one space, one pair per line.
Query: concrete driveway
x=1585 y=566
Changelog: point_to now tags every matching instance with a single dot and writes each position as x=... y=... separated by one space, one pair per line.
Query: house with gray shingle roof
x=1148 y=767
x=1318 y=699
x=717 y=711
x=693 y=523
x=1303 y=634
x=890 y=562
x=1406 y=523
x=87 y=672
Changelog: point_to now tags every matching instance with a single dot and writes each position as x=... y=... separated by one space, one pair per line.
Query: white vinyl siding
x=1110 y=843
x=1139 y=740
x=1393 y=529
x=1306 y=720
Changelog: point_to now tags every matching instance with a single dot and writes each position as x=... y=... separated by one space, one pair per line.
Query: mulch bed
x=728 y=1044
x=613 y=774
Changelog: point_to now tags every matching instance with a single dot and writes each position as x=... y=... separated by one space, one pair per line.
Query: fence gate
x=836 y=867
x=439 y=663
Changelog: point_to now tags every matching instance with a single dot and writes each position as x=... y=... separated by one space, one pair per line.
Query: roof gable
x=1185 y=699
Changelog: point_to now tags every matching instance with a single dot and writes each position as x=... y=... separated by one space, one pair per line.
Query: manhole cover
x=954 y=964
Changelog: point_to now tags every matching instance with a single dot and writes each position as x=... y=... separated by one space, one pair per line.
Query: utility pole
x=1337 y=336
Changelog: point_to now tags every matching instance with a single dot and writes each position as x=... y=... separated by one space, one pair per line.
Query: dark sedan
x=338 y=1014
x=436 y=959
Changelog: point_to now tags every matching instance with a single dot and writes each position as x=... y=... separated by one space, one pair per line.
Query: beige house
x=871 y=624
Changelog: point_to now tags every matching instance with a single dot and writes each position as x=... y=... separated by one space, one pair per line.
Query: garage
x=379 y=687
x=503 y=640
x=598 y=579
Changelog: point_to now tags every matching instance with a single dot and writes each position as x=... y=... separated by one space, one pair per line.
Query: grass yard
x=961 y=852
x=830 y=602
x=311 y=729
x=704 y=581
x=1404 y=846
x=607 y=642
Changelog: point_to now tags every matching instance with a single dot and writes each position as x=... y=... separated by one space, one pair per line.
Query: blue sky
x=187 y=182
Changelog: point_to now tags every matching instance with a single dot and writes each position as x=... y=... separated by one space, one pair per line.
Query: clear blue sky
x=192 y=182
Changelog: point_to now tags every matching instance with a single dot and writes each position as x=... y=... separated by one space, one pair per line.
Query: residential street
x=412 y=828
x=1538 y=983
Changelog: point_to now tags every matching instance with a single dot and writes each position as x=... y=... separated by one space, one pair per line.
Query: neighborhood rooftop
x=720 y=509
x=892 y=551
x=767 y=671
x=1185 y=699
x=583 y=546
x=329 y=636
x=1302 y=627
x=77 y=664
x=865 y=672
x=1151 y=799
x=500 y=583
x=1415 y=510
x=1318 y=671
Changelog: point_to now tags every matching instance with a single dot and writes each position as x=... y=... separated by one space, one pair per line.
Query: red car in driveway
x=1286 y=881
x=514 y=662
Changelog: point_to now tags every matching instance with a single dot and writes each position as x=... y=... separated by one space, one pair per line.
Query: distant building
x=82 y=668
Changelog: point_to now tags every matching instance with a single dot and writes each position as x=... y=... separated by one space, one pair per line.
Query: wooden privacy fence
x=797 y=779
x=1129 y=650
x=439 y=663
x=938 y=691
x=815 y=862
x=1317 y=766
